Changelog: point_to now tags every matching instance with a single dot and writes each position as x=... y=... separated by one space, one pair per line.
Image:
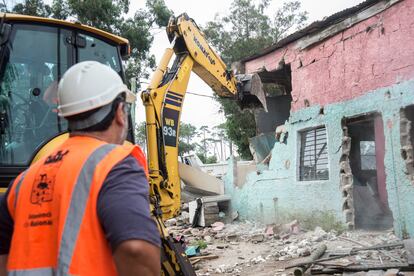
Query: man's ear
x=120 y=117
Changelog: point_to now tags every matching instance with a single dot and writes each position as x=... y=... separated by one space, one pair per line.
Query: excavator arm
x=163 y=101
x=207 y=63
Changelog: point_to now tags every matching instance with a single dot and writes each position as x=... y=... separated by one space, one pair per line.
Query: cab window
x=28 y=101
x=98 y=50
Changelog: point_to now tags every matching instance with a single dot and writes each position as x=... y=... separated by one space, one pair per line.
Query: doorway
x=366 y=160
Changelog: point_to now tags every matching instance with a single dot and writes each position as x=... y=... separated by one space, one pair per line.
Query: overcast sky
x=202 y=110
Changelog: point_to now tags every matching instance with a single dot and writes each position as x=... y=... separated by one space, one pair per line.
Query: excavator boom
x=208 y=65
x=163 y=101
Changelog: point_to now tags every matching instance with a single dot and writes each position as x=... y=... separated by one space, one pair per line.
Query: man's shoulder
x=128 y=163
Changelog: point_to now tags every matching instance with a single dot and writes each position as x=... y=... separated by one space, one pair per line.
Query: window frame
x=301 y=151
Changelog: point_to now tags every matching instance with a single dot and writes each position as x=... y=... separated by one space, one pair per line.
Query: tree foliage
x=111 y=16
x=244 y=31
x=33 y=7
x=186 y=138
x=141 y=135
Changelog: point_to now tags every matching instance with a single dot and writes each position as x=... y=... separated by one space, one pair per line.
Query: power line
x=200 y=95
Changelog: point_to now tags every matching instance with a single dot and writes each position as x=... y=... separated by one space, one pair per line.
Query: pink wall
x=375 y=53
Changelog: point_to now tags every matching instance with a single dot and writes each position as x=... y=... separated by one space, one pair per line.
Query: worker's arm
x=3 y=265
x=123 y=210
x=6 y=232
x=137 y=257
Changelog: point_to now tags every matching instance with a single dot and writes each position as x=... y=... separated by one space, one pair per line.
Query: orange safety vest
x=53 y=205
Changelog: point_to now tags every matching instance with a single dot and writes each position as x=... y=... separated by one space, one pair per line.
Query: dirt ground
x=244 y=248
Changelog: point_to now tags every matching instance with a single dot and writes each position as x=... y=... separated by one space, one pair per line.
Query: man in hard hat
x=84 y=208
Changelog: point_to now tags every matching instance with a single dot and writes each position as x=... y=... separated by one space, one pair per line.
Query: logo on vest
x=43 y=186
x=56 y=158
x=42 y=190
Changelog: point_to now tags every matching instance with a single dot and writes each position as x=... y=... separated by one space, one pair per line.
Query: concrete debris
x=257 y=238
x=217 y=226
x=234 y=215
x=319 y=234
x=247 y=248
x=269 y=231
x=170 y=222
x=208 y=239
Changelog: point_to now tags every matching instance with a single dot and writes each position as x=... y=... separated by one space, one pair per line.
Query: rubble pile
x=243 y=248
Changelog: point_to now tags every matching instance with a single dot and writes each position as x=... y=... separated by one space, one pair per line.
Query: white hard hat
x=89 y=85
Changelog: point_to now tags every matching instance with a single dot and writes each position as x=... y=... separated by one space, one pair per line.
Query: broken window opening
x=407 y=139
x=277 y=86
x=313 y=155
x=363 y=173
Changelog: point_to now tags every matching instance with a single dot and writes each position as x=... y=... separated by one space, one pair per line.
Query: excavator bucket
x=251 y=94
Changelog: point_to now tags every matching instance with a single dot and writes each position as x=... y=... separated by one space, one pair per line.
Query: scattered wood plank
x=300 y=270
x=409 y=247
x=357 y=268
x=352 y=252
x=195 y=261
x=207 y=257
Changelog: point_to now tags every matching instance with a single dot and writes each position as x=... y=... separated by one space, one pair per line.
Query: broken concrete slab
x=199 y=181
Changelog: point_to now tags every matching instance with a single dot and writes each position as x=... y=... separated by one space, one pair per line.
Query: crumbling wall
x=346 y=180
x=277 y=192
x=366 y=68
x=407 y=151
x=372 y=54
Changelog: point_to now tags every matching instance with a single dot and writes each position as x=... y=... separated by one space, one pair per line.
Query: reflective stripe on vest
x=74 y=217
x=48 y=271
x=17 y=189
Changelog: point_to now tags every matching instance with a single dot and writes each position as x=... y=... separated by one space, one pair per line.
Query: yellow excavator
x=35 y=52
x=163 y=100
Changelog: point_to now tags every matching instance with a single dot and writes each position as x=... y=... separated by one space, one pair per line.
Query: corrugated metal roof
x=315 y=27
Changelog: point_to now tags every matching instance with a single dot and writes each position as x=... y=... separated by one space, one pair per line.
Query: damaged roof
x=315 y=27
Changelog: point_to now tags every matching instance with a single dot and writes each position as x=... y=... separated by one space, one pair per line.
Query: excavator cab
x=34 y=54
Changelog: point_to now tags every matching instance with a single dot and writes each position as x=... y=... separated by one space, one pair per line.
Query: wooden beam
x=409 y=247
x=311 y=39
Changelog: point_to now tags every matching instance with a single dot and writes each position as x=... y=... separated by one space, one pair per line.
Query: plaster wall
x=276 y=192
x=372 y=54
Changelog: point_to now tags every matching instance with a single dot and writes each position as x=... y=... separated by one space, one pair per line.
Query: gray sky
x=201 y=110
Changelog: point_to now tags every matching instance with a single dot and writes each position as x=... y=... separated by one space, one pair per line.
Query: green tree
x=33 y=7
x=203 y=134
x=141 y=135
x=111 y=16
x=211 y=159
x=245 y=31
x=186 y=136
x=60 y=9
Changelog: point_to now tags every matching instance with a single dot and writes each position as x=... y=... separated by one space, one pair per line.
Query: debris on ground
x=247 y=248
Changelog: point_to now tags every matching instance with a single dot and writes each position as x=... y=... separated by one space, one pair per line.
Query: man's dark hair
x=105 y=123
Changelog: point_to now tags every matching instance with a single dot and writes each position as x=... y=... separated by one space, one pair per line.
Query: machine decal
x=173 y=99
x=174 y=103
x=43 y=185
x=170 y=126
x=204 y=51
x=174 y=96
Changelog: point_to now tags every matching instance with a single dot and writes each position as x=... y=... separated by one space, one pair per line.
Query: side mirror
x=125 y=50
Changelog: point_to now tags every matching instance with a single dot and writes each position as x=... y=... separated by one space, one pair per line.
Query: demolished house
x=342 y=100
